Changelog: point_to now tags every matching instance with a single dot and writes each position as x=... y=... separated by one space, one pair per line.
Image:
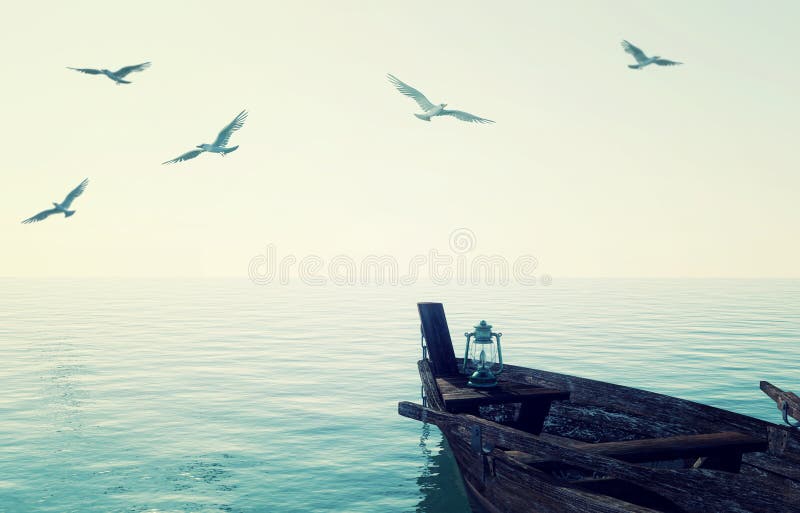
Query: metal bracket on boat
x=476 y=442
x=785 y=410
x=422 y=343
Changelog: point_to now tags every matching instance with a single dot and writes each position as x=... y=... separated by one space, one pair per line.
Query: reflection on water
x=65 y=397
x=440 y=481
x=62 y=401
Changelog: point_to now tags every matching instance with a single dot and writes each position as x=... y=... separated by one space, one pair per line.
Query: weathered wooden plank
x=437 y=338
x=457 y=395
x=782 y=398
x=677 y=447
x=521 y=488
x=693 y=490
x=778 y=439
x=534 y=401
x=432 y=392
x=669 y=413
x=592 y=423
x=627 y=491
x=500 y=487
x=774 y=465
x=779 y=478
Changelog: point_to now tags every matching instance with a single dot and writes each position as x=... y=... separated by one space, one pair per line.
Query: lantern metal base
x=482 y=378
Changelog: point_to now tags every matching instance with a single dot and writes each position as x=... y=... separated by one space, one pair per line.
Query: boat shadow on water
x=440 y=482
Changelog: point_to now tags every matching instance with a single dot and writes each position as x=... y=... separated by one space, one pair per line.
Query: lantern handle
x=499 y=352
x=466 y=352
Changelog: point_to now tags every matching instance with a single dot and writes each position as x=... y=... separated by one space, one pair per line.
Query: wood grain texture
x=437 y=338
x=601 y=412
x=534 y=401
x=697 y=490
x=782 y=398
x=678 y=447
x=603 y=432
x=458 y=396
x=664 y=414
x=432 y=392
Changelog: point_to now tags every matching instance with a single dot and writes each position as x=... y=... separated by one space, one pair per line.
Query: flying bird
x=431 y=110
x=117 y=76
x=643 y=60
x=60 y=208
x=220 y=145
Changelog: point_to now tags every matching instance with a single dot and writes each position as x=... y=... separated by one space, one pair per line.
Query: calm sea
x=223 y=396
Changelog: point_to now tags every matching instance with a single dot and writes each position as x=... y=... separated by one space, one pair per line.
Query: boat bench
x=718 y=451
x=534 y=401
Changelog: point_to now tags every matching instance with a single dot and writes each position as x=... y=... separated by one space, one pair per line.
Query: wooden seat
x=720 y=451
x=534 y=401
x=458 y=397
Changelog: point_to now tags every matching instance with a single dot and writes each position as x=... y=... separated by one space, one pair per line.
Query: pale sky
x=596 y=169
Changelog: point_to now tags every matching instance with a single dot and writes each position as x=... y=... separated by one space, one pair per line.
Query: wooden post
x=532 y=414
x=437 y=338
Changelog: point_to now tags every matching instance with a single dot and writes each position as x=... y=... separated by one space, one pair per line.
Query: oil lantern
x=483 y=359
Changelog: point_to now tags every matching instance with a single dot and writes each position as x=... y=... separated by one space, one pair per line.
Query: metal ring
x=785 y=410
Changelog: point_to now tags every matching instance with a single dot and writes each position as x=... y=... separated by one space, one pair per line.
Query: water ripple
x=218 y=396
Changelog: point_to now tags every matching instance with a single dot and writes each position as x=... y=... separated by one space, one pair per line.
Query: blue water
x=222 y=396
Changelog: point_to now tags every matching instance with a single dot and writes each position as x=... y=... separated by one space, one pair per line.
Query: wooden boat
x=547 y=442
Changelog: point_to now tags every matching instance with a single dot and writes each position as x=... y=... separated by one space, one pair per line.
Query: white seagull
x=643 y=60
x=60 y=208
x=431 y=110
x=117 y=76
x=220 y=145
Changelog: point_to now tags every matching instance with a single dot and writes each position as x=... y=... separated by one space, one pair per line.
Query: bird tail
x=122 y=81
x=228 y=150
x=423 y=117
x=634 y=66
x=69 y=213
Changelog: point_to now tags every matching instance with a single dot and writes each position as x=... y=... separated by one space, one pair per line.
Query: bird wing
x=225 y=134
x=186 y=156
x=77 y=191
x=44 y=214
x=636 y=52
x=122 y=72
x=409 y=91
x=666 y=62
x=464 y=116
x=89 y=71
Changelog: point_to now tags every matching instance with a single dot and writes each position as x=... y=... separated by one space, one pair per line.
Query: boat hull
x=498 y=470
